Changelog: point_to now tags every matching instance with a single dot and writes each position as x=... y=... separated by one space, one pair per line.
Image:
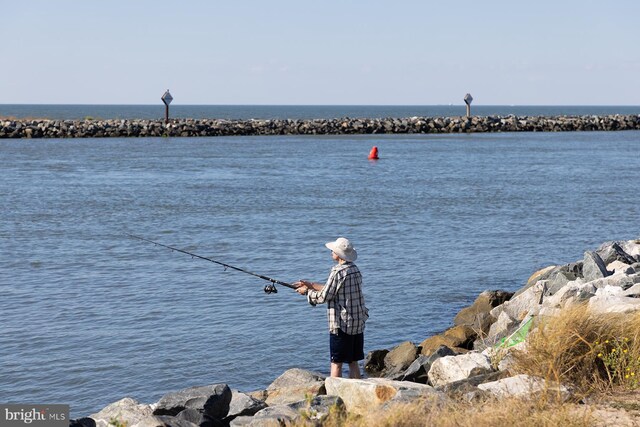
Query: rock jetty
x=338 y=126
x=460 y=362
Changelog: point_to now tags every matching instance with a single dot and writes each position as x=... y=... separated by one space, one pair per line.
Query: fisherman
x=345 y=307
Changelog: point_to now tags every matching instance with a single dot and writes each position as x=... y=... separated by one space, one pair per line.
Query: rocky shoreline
x=116 y=128
x=466 y=361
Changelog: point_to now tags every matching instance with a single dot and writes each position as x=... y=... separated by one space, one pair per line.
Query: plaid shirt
x=345 y=302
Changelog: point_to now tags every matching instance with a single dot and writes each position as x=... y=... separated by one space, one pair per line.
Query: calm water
x=77 y=112
x=89 y=316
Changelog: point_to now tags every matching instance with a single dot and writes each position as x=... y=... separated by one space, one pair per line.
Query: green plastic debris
x=518 y=336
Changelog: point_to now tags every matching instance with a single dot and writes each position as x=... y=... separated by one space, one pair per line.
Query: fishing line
x=269 y=289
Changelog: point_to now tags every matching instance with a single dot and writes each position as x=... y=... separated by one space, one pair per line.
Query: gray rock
x=523 y=386
x=400 y=358
x=243 y=405
x=363 y=395
x=275 y=416
x=618 y=267
x=419 y=369
x=295 y=385
x=632 y=247
x=612 y=251
x=632 y=292
x=519 y=306
x=319 y=407
x=620 y=280
x=603 y=304
x=454 y=368
x=541 y=274
x=470 y=384
x=560 y=276
x=477 y=315
x=212 y=400
x=126 y=410
x=198 y=418
x=573 y=292
x=374 y=362
x=593 y=267
x=499 y=329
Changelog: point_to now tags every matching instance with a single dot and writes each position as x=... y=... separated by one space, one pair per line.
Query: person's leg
x=354 y=370
x=336 y=349
x=336 y=369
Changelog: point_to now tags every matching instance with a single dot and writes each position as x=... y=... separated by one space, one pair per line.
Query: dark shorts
x=346 y=348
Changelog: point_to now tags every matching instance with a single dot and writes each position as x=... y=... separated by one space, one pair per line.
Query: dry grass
x=592 y=353
x=491 y=413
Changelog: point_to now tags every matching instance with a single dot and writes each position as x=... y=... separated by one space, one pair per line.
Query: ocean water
x=89 y=315
x=78 y=112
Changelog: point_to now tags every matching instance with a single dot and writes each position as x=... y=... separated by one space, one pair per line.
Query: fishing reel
x=270 y=289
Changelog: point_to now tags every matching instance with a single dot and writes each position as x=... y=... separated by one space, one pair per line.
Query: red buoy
x=373 y=154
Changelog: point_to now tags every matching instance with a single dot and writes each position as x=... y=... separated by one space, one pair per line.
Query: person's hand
x=302 y=287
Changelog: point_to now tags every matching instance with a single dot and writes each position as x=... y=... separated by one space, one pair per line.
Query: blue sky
x=320 y=52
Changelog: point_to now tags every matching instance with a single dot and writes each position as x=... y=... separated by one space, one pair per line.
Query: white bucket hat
x=343 y=248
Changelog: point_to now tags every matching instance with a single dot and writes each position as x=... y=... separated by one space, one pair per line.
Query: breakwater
x=339 y=126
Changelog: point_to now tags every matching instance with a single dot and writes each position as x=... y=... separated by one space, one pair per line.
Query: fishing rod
x=270 y=288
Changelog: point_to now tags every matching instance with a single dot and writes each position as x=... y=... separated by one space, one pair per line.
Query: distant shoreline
x=119 y=128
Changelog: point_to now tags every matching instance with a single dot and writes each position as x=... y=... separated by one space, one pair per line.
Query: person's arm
x=325 y=292
x=306 y=286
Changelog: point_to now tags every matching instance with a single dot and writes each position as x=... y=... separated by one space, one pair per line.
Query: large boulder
x=593 y=267
x=243 y=405
x=562 y=275
x=127 y=411
x=418 y=371
x=477 y=315
x=524 y=386
x=618 y=267
x=541 y=274
x=464 y=334
x=454 y=368
x=467 y=385
x=622 y=281
x=459 y=337
x=499 y=329
x=605 y=303
x=314 y=410
x=519 y=306
x=632 y=247
x=363 y=395
x=273 y=416
x=431 y=344
x=633 y=291
x=613 y=251
x=400 y=358
x=294 y=385
x=212 y=400
x=374 y=362
x=572 y=293
x=196 y=417
x=555 y=276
